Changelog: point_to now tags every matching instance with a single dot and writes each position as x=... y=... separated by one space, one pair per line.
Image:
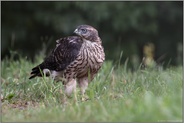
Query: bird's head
x=87 y=32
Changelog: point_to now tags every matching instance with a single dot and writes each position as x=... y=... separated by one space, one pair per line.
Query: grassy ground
x=115 y=95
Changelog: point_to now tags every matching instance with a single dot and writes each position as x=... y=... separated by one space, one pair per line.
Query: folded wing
x=65 y=52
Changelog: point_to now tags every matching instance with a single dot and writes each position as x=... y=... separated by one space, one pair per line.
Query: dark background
x=28 y=27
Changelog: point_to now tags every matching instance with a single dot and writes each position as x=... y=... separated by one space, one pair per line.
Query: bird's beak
x=76 y=31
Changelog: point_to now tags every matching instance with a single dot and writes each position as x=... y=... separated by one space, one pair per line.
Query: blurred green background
x=137 y=29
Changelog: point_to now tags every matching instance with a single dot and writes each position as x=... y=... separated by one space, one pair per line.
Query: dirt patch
x=23 y=104
x=20 y=105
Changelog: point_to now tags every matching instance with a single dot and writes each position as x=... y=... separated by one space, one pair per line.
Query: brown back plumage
x=65 y=52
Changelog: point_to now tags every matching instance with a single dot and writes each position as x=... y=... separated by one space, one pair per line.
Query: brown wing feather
x=65 y=52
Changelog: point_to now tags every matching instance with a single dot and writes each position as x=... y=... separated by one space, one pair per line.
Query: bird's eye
x=84 y=30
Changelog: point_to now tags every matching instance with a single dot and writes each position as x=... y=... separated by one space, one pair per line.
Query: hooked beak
x=76 y=32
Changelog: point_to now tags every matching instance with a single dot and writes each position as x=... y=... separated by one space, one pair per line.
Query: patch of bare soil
x=20 y=105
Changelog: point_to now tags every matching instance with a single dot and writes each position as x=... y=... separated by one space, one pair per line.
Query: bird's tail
x=37 y=71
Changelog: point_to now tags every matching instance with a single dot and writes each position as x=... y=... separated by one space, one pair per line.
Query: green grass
x=115 y=95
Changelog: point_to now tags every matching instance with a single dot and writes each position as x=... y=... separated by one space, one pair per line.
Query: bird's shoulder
x=64 y=53
x=68 y=46
x=69 y=41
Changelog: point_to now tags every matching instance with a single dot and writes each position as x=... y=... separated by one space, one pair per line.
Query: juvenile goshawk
x=75 y=59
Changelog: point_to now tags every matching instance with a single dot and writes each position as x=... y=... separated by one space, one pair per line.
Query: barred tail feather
x=36 y=71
